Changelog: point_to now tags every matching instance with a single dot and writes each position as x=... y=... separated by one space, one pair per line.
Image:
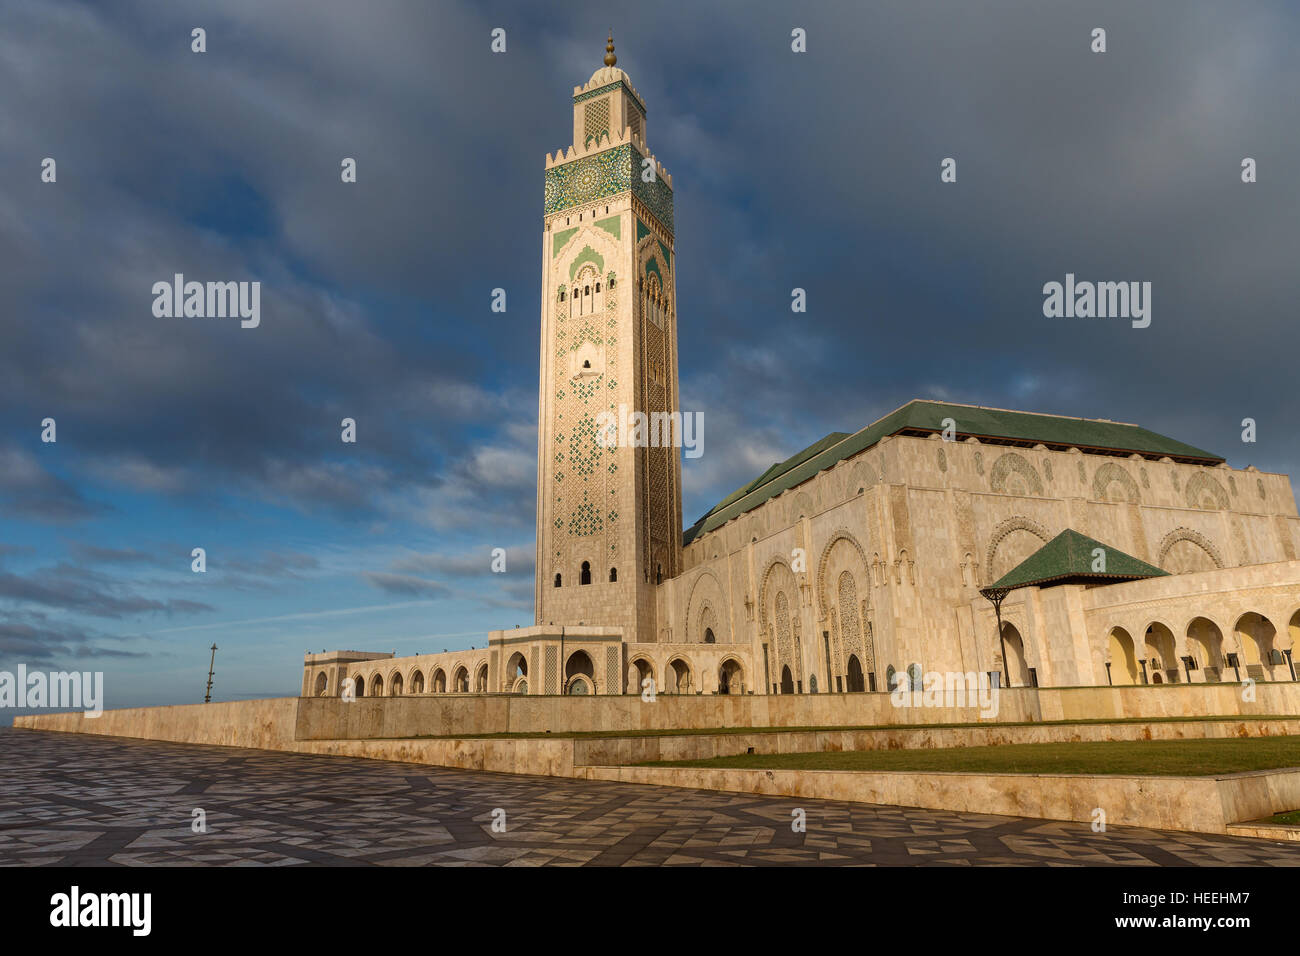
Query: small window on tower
x=586 y=573
x=597 y=286
x=613 y=575
x=557 y=579
x=587 y=363
x=586 y=290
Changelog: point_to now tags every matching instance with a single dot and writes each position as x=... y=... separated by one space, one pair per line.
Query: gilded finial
x=610 y=58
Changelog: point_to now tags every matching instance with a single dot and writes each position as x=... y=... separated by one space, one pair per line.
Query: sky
x=817 y=170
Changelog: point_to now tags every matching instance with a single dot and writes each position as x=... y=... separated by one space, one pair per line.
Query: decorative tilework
x=642 y=230
x=596 y=119
x=80 y=800
x=607 y=173
x=668 y=256
x=656 y=195
x=613 y=225
x=561 y=237
x=587 y=254
x=604 y=174
x=600 y=91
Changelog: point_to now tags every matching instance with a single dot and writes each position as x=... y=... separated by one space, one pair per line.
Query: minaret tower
x=609 y=512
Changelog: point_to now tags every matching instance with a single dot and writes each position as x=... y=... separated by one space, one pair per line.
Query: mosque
x=1038 y=549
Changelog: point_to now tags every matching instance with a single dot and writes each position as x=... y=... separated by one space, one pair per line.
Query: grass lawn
x=1181 y=758
x=1291 y=816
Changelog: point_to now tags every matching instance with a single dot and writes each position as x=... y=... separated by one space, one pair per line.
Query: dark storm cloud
x=818 y=170
x=70 y=588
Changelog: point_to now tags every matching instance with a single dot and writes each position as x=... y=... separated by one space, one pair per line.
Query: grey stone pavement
x=80 y=800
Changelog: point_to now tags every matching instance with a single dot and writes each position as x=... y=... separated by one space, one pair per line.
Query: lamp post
x=207 y=698
x=996 y=596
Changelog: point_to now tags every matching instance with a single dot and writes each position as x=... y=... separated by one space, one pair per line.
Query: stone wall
x=278 y=722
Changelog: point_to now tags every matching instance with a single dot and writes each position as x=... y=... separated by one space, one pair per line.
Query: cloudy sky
x=817 y=170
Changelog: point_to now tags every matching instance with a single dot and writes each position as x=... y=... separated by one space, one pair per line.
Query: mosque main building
x=1038 y=549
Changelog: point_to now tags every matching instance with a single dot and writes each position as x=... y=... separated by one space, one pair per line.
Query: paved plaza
x=79 y=800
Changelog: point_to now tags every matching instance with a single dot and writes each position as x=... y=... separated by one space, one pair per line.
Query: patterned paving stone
x=72 y=800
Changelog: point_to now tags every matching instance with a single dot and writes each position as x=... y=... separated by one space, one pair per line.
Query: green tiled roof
x=1069 y=558
x=924 y=418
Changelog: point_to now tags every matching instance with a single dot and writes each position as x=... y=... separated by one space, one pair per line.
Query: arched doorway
x=460 y=680
x=395 y=686
x=679 y=676
x=579 y=674
x=1014 y=647
x=439 y=681
x=1255 y=636
x=1123 y=657
x=731 y=677
x=787 y=680
x=480 y=679
x=855 y=682
x=417 y=683
x=1162 y=659
x=377 y=686
x=641 y=671
x=516 y=668
x=358 y=685
x=322 y=682
x=1205 y=644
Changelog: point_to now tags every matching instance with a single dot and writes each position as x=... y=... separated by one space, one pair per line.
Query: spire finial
x=610 y=58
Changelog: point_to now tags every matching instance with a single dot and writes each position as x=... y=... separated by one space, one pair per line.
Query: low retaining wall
x=617 y=751
x=453 y=715
x=1198 y=804
x=266 y=724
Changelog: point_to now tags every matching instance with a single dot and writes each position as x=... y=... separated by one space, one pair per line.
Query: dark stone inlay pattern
x=81 y=800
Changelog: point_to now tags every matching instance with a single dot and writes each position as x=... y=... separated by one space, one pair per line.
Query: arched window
x=708 y=636
x=586 y=290
x=613 y=575
x=586 y=573
x=597 y=286
x=557 y=579
x=659 y=574
x=561 y=295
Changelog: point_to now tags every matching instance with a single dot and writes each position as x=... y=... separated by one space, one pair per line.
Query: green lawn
x=1182 y=758
x=1291 y=816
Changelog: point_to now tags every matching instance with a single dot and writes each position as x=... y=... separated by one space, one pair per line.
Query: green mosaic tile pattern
x=613 y=225
x=601 y=90
x=592 y=177
x=656 y=195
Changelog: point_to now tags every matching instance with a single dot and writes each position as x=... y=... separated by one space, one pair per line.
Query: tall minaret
x=609 y=519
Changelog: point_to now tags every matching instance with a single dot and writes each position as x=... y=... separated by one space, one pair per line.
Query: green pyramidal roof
x=1073 y=558
x=920 y=418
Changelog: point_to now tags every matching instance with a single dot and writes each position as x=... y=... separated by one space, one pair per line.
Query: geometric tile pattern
x=96 y=801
